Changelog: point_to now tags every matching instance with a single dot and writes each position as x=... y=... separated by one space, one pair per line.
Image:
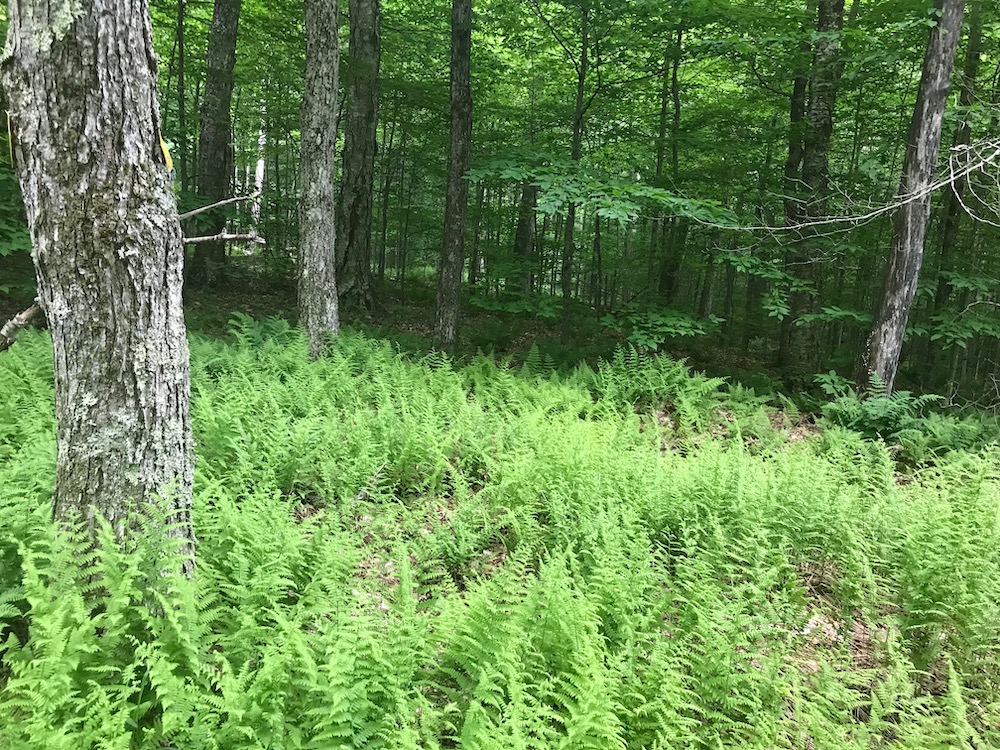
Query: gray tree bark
x=795 y=351
x=354 y=221
x=317 y=263
x=576 y=154
x=215 y=163
x=881 y=356
x=524 y=237
x=952 y=222
x=449 y=292
x=106 y=241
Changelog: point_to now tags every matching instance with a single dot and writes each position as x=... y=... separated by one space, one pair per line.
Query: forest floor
x=397 y=550
x=407 y=319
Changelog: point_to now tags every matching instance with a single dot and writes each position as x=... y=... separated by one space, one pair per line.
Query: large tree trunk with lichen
x=881 y=356
x=106 y=241
x=215 y=161
x=449 y=293
x=317 y=263
x=354 y=221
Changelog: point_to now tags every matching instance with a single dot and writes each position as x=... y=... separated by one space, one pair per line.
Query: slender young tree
x=524 y=237
x=953 y=198
x=182 y=137
x=795 y=352
x=80 y=77
x=215 y=163
x=582 y=65
x=881 y=356
x=669 y=242
x=449 y=293
x=317 y=264
x=354 y=220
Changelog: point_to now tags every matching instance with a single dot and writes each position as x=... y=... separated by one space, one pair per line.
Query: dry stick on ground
x=8 y=334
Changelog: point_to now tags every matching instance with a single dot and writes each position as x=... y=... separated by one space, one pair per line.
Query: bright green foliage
x=542 y=306
x=561 y=183
x=903 y=418
x=649 y=329
x=400 y=554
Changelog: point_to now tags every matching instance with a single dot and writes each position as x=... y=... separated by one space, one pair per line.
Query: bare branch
x=600 y=80
x=8 y=334
x=557 y=36
x=219 y=204
x=763 y=82
x=226 y=237
x=989 y=151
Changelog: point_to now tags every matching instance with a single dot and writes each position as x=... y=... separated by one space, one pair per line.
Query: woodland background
x=670 y=145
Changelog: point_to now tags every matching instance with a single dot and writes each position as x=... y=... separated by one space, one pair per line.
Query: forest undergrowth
x=400 y=552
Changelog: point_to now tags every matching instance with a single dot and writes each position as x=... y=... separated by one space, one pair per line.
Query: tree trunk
x=576 y=153
x=707 y=295
x=673 y=242
x=728 y=307
x=317 y=287
x=881 y=357
x=524 y=238
x=354 y=221
x=672 y=255
x=477 y=235
x=215 y=141
x=260 y=167
x=963 y=135
x=404 y=235
x=659 y=223
x=81 y=82
x=797 y=351
x=792 y=203
x=402 y=199
x=182 y=158
x=598 y=267
x=386 y=192
x=449 y=293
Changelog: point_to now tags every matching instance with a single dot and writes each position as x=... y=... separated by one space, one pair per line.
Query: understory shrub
x=907 y=421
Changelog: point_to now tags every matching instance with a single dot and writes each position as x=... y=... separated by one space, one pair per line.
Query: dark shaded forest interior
x=719 y=181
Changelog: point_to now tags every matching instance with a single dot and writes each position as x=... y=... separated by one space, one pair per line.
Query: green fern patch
x=398 y=552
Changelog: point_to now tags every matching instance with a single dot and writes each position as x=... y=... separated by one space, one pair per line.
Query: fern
x=398 y=552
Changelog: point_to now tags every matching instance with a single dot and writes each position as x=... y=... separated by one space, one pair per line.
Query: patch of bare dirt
x=826 y=633
x=796 y=430
x=489 y=560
